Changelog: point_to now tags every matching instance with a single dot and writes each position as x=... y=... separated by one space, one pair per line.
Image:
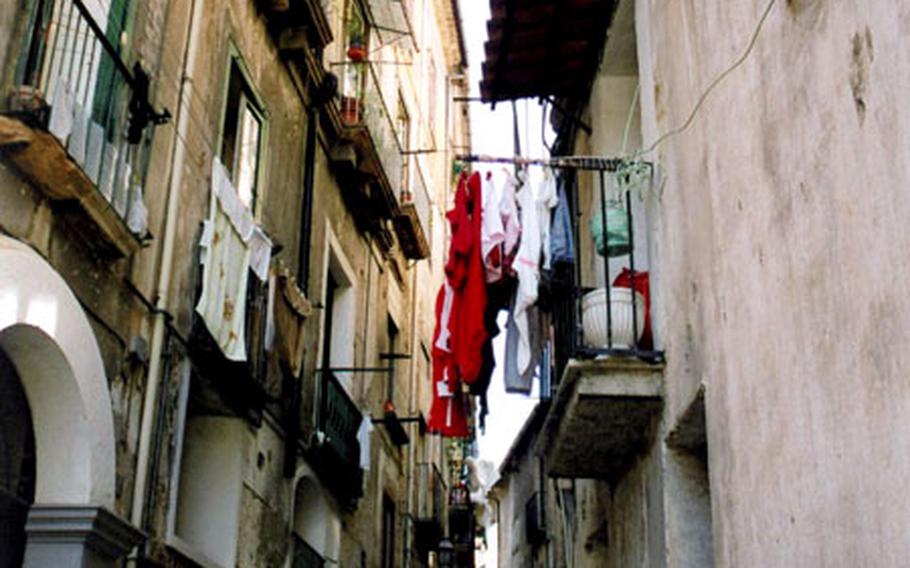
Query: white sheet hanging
x=226 y=261
x=229 y=240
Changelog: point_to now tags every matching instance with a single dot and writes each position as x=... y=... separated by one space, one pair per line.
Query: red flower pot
x=357 y=53
x=350 y=111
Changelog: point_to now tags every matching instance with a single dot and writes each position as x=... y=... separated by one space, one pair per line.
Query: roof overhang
x=543 y=48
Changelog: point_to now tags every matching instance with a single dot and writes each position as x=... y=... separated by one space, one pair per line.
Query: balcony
x=242 y=387
x=371 y=157
x=602 y=415
x=462 y=527
x=300 y=24
x=412 y=225
x=337 y=450
x=431 y=492
x=609 y=391
x=76 y=122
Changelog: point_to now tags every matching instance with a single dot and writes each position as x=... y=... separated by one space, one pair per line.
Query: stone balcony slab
x=602 y=415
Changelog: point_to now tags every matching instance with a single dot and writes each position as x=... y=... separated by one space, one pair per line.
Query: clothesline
x=594 y=163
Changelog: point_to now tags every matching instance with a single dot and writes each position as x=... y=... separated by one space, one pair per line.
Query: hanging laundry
x=499 y=295
x=511 y=222
x=482 y=385
x=363 y=439
x=468 y=284
x=562 y=244
x=447 y=413
x=443 y=342
x=225 y=258
x=227 y=245
x=546 y=201
x=515 y=381
x=527 y=267
x=492 y=233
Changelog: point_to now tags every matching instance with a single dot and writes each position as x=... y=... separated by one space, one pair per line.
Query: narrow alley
x=453 y=283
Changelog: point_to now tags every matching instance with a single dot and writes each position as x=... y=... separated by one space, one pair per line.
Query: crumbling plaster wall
x=782 y=245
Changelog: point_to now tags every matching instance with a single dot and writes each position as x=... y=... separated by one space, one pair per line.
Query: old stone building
x=221 y=232
x=764 y=425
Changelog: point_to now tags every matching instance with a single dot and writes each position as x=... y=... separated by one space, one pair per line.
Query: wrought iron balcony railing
x=337 y=451
x=339 y=421
x=600 y=301
x=72 y=80
x=611 y=317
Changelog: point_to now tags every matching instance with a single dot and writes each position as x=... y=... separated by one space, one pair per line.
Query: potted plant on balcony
x=357 y=50
x=622 y=332
x=612 y=238
x=350 y=110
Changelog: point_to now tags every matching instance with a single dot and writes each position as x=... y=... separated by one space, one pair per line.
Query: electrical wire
x=717 y=80
x=625 y=132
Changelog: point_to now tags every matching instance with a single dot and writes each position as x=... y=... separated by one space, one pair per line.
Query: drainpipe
x=292 y=424
x=412 y=389
x=165 y=267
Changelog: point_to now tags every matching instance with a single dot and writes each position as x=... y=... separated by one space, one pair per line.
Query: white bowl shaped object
x=594 y=317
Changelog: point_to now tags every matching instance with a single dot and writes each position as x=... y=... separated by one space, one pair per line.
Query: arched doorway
x=317 y=527
x=17 y=463
x=60 y=414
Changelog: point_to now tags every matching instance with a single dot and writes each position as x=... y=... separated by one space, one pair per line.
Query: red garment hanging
x=466 y=275
x=447 y=414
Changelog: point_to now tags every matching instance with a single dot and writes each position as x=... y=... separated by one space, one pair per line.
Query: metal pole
x=606 y=255
x=632 y=268
x=594 y=163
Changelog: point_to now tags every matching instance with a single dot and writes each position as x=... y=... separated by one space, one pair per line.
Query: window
x=339 y=314
x=388 y=532
x=403 y=126
x=392 y=348
x=242 y=136
x=331 y=289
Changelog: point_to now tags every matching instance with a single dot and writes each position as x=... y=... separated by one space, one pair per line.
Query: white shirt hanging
x=527 y=267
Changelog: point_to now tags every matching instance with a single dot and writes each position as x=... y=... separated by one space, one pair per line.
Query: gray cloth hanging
x=562 y=245
x=515 y=382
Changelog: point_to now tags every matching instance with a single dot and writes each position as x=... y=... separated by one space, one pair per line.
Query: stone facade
x=773 y=237
x=204 y=460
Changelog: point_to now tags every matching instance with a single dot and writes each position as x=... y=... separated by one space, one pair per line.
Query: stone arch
x=46 y=335
x=315 y=517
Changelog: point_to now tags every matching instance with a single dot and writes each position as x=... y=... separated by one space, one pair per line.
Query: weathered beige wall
x=781 y=246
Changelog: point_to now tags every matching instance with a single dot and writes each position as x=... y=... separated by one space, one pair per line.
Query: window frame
x=250 y=99
x=403 y=131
